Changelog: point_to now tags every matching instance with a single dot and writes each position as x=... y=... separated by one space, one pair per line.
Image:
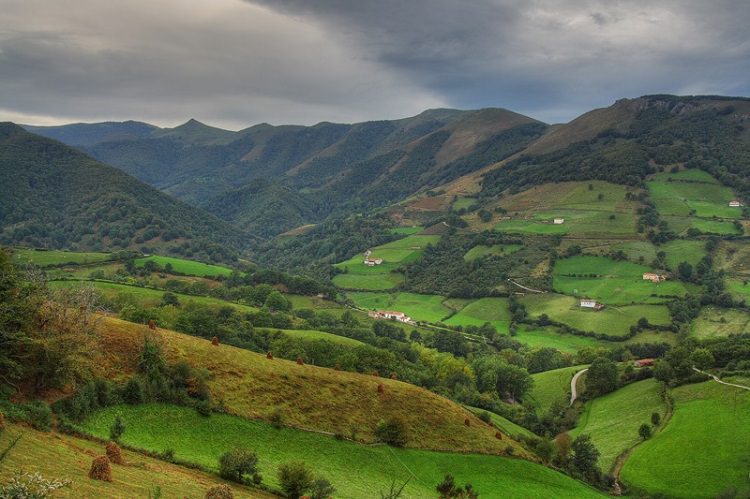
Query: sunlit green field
x=552 y=386
x=613 y=420
x=703 y=451
x=429 y=308
x=612 y=282
x=357 y=471
x=316 y=335
x=679 y=194
x=187 y=267
x=613 y=321
x=492 y=310
x=505 y=425
x=45 y=258
x=716 y=322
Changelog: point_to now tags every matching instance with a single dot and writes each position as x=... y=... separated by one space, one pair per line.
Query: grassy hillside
x=357 y=471
x=63 y=457
x=703 y=450
x=613 y=420
x=54 y=196
x=187 y=267
x=309 y=397
x=552 y=386
x=47 y=258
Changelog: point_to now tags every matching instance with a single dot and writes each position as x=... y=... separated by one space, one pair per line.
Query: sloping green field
x=187 y=267
x=716 y=322
x=613 y=420
x=552 y=386
x=703 y=451
x=429 y=308
x=357 y=471
x=45 y=258
x=492 y=310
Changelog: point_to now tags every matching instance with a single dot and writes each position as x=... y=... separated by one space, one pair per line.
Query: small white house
x=586 y=303
x=558 y=221
x=735 y=203
x=389 y=315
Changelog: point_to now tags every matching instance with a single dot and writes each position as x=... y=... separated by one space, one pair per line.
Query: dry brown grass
x=310 y=397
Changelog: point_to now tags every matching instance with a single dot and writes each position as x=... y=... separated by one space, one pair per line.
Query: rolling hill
x=54 y=196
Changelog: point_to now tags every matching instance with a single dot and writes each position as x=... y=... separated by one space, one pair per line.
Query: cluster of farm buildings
x=371 y=262
x=392 y=316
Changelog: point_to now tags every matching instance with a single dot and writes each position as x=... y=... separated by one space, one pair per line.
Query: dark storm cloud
x=234 y=63
x=549 y=58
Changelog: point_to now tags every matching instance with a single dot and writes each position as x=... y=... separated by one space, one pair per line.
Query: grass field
x=146 y=296
x=419 y=307
x=308 y=397
x=613 y=321
x=738 y=288
x=308 y=334
x=407 y=230
x=505 y=425
x=547 y=338
x=703 y=451
x=495 y=250
x=382 y=277
x=357 y=471
x=613 y=420
x=552 y=386
x=716 y=322
x=683 y=250
x=62 y=457
x=599 y=210
x=686 y=194
x=186 y=267
x=45 y=258
x=615 y=282
x=492 y=310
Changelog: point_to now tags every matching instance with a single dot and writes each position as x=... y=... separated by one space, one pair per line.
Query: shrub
x=117 y=429
x=237 y=464
x=655 y=418
x=321 y=488
x=39 y=415
x=295 y=479
x=485 y=416
x=220 y=492
x=644 y=431
x=215 y=341
x=114 y=453
x=100 y=469
x=277 y=418
x=133 y=392
x=392 y=432
x=203 y=407
x=167 y=455
x=31 y=485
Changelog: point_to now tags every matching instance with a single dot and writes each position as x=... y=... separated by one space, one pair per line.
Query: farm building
x=558 y=221
x=735 y=203
x=388 y=315
x=650 y=276
x=643 y=363
x=586 y=303
x=371 y=262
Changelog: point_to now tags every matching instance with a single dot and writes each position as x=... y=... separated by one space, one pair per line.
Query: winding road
x=716 y=378
x=573 y=383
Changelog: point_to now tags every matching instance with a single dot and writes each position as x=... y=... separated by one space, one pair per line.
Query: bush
x=238 y=464
x=133 y=392
x=100 y=469
x=117 y=429
x=31 y=485
x=392 y=432
x=277 y=418
x=485 y=416
x=114 y=453
x=655 y=418
x=644 y=431
x=295 y=479
x=203 y=407
x=220 y=492
x=321 y=488
x=39 y=415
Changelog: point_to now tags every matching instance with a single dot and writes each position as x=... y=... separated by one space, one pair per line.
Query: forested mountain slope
x=57 y=197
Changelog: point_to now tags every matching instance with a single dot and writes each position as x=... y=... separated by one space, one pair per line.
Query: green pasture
x=691 y=174
x=374 y=282
x=407 y=230
x=357 y=471
x=703 y=450
x=613 y=419
x=503 y=424
x=717 y=322
x=186 y=267
x=492 y=310
x=308 y=334
x=552 y=386
x=677 y=250
x=46 y=258
x=739 y=288
x=428 y=308
x=463 y=203
x=494 y=250
x=547 y=337
x=676 y=194
x=146 y=297
x=612 y=320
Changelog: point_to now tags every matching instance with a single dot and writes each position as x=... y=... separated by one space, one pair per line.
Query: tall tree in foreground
x=601 y=377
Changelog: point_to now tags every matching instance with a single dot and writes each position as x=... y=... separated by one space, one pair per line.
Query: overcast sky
x=234 y=63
